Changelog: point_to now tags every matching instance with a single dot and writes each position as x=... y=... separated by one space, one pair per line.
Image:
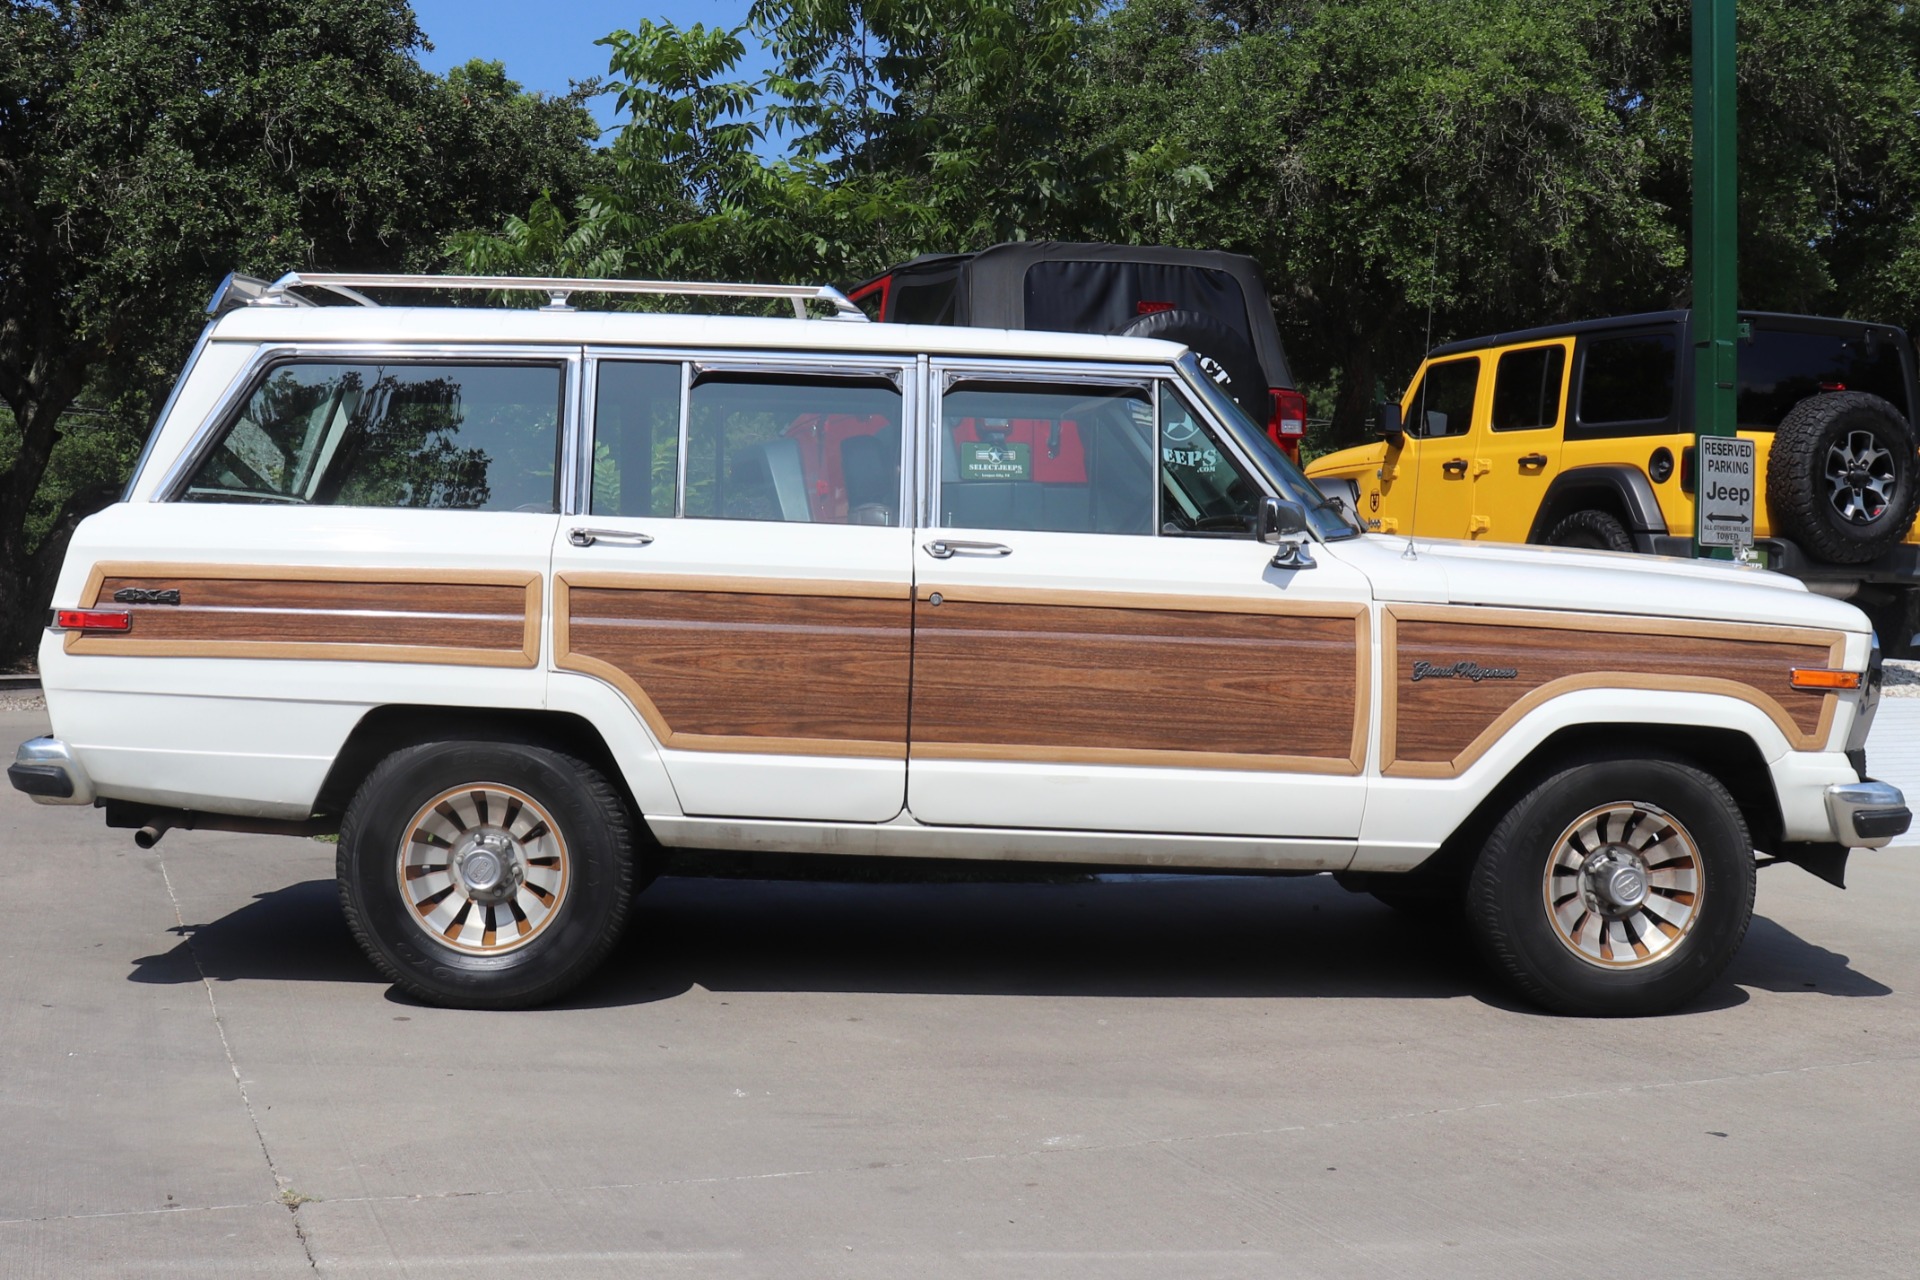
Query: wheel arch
x=395 y=726
x=1620 y=490
x=1728 y=755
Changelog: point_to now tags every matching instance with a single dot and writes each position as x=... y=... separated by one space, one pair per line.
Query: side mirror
x=1388 y=424
x=1283 y=525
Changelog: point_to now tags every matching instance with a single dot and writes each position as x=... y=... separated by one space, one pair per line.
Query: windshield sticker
x=1461 y=671
x=1204 y=461
x=991 y=461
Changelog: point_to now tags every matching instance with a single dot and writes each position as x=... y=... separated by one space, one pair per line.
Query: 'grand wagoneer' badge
x=1461 y=671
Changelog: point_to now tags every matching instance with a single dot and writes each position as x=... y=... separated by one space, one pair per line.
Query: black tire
x=1581 y=955
x=563 y=825
x=1592 y=531
x=1822 y=441
x=1226 y=356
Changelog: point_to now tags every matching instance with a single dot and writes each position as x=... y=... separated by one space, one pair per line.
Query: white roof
x=455 y=325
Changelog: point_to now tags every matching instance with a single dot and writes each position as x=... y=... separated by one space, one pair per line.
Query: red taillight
x=93 y=620
x=1289 y=421
x=1833 y=386
x=1145 y=308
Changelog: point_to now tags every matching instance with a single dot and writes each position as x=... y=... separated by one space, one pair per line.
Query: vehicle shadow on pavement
x=295 y=934
x=1175 y=936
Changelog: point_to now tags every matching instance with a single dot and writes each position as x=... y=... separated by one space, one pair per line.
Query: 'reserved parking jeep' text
x=521 y=602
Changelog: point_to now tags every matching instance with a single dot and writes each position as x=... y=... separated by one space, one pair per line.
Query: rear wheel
x=1591 y=530
x=485 y=874
x=1615 y=888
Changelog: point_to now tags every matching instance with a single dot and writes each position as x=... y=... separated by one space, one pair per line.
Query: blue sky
x=546 y=45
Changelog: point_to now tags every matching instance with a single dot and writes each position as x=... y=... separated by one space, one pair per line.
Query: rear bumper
x=1867 y=814
x=45 y=769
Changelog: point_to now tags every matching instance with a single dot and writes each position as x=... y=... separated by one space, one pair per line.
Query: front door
x=741 y=573
x=1440 y=417
x=1100 y=643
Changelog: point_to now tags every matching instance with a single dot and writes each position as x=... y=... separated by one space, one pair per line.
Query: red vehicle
x=1214 y=303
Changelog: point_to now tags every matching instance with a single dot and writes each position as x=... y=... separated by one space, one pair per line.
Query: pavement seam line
x=226 y=1047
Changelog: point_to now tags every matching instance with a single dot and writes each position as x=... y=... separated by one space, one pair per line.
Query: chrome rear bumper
x=45 y=769
x=1867 y=814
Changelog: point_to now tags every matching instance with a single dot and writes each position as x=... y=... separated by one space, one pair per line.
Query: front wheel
x=1615 y=888
x=485 y=875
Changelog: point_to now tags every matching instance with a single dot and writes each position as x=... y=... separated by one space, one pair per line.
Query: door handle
x=948 y=548
x=1533 y=459
x=612 y=537
x=1455 y=466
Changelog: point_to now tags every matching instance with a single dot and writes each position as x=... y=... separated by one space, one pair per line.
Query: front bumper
x=45 y=769
x=1867 y=814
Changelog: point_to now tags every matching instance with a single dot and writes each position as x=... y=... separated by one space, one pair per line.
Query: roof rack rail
x=557 y=289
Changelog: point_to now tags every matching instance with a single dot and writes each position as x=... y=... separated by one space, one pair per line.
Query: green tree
x=147 y=147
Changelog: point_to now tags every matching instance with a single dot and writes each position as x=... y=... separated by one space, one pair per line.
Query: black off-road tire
x=1511 y=893
x=1592 y=531
x=587 y=851
x=1224 y=354
x=1808 y=451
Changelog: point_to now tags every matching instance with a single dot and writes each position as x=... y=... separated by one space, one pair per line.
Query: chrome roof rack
x=557 y=288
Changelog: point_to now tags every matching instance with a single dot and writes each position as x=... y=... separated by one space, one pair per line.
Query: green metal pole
x=1716 y=316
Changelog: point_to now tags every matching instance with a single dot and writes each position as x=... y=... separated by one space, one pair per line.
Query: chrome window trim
x=566 y=356
x=680 y=441
x=893 y=371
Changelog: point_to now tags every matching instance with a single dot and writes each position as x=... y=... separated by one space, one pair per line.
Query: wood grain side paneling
x=1192 y=683
x=789 y=668
x=456 y=618
x=1437 y=726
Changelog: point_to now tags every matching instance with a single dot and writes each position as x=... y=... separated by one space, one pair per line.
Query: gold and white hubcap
x=1623 y=886
x=483 y=868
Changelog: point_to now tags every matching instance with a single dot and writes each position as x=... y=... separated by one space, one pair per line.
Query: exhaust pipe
x=151 y=824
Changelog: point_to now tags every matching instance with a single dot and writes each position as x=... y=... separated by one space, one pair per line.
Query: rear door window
x=1065 y=457
x=1443 y=402
x=1628 y=379
x=448 y=437
x=1526 y=388
x=799 y=448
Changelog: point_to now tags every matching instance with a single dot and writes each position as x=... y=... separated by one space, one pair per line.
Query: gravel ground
x=1903 y=678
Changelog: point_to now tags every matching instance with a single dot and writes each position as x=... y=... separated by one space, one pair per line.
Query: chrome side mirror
x=1388 y=425
x=1283 y=526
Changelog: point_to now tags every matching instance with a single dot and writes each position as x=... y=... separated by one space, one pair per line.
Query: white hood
x=1558 y=578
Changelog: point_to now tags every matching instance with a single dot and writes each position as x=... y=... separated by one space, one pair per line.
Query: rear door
x=1100 y=643
x=741 y=574
x=1518 y=439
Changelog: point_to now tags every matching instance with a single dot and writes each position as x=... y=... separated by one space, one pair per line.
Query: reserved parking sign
x=1726 y=491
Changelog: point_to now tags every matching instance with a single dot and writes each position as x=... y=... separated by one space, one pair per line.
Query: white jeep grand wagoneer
x=515 y=600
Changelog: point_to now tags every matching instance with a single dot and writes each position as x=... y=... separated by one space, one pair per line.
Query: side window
x=794 y=447
x=1526 y=388
x=460 y=437
x=636 y=438
x=1627 y=379
x=1443 y=403
x=1051 y=457
x=1203 y=490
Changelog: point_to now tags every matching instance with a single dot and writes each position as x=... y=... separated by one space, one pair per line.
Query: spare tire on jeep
x=1224 y=354
x=1841 y=476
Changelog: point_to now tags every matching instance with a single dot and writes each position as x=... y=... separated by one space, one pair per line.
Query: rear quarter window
x=1627 y=382
x=1781 y=367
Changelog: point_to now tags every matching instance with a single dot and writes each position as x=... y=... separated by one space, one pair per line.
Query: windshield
x=1329 y=517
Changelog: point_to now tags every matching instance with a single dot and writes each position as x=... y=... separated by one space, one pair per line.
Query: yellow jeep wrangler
x=1581 y=435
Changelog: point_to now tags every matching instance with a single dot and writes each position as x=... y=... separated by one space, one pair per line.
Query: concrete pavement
x=1149 y=1078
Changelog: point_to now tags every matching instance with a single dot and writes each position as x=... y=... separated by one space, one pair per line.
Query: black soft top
x=999 y=288
x=1768 y=319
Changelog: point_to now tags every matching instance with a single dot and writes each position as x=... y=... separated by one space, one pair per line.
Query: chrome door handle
x=948 y=548
x=612 y=537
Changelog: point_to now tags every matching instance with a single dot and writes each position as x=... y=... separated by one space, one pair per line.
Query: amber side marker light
x=1823 y=678
x=93 y=620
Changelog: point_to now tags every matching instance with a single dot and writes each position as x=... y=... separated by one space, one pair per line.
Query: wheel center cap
x=1616 y=881
x=486 y=866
